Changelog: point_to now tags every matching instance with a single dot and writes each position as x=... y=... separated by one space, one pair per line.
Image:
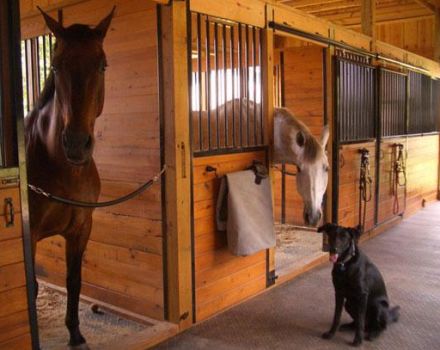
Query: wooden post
x=177 y=159
x=368 y=17
x=268 y=84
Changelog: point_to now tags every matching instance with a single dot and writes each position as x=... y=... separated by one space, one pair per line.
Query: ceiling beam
x=368 y=17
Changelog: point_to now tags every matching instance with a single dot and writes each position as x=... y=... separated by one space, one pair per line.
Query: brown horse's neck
x=44 y=130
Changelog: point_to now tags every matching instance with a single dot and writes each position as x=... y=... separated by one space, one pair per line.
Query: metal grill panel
x=355 y=101
x=436 y=103
x=392 y=97
x=36 y=54
x=421 y=118
x=226 y=89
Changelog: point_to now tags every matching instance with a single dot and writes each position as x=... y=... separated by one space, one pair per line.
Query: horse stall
x=228 y=134
x=123 y=267
x=193 y=87
x=299 y=85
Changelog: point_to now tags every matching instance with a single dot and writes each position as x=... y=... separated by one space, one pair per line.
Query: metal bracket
x=271 y=278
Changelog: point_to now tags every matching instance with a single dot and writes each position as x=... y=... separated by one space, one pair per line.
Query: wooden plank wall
x=123 y=263
x=14 y=320
x=416 y=36
x=221 y=279
x=388 y=206
x=422 y=169
x=349 y=167
x=304 y=96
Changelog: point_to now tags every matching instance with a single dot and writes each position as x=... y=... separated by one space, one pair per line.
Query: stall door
x=17 y=307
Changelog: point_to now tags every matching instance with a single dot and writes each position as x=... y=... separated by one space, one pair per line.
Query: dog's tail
x=394 y=314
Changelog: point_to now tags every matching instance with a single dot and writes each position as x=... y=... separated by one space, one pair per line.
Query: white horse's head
x=312 y=175
x=295 y=144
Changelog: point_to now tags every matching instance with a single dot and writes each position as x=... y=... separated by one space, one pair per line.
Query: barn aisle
x=294 y=315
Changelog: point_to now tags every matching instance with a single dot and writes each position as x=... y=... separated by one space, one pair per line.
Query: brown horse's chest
x=48 y=217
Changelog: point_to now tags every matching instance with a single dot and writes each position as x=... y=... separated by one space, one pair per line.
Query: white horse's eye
x=326 y=168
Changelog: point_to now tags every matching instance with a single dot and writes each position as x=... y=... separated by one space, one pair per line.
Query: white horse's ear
x=325 y=135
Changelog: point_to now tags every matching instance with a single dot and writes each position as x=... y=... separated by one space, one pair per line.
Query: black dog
x=358 y=282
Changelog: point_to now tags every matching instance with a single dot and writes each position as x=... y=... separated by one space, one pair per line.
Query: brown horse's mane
x=76 y=32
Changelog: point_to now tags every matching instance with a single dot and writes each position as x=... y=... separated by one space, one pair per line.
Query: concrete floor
x=294 y=315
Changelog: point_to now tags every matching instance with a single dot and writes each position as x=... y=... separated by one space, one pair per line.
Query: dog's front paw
x=356 y=342
x=328 y=335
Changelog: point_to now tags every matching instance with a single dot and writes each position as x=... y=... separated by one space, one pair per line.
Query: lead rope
x=365 y=184
x=399 y=179
x=82 y=204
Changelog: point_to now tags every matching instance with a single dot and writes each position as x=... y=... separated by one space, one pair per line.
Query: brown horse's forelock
x=76 y=32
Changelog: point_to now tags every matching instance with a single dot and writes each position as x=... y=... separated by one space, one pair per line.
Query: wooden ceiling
x=348 y=12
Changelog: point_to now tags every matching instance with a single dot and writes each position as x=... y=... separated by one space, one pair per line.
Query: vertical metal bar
x=225 y=87
x=217 y=92
x=208 y=80
x=283 y=193
x=44 y=57
x=260 y=60
x=37 y=64
x=232 y=55
x=26 y=50
x=241 y=81
x=336 y=140
x=254 y=62
x=247 y=86
x=199 y=75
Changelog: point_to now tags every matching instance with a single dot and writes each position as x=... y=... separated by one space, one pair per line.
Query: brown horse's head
x=77 y=76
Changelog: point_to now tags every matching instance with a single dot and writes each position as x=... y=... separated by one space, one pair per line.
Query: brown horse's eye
x=53 y=68
x=102 y=66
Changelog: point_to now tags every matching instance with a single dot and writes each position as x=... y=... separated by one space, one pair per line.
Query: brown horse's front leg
x=75 y=247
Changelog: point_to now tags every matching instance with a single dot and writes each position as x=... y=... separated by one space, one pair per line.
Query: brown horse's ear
x=102 y=27
x=55 y=27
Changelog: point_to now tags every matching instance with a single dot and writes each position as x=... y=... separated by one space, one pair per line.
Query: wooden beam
x=437 y=36
x=245 y=11
x=427 y=5
x=368 y=17
x=179 y=288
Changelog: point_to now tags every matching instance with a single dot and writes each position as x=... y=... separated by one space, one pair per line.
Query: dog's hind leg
x=346 y=327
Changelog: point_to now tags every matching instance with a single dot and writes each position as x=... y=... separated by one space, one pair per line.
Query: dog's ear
x=355 y=233
x=326 y=227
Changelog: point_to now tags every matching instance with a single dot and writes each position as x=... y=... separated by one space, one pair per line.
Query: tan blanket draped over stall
x=244 y=210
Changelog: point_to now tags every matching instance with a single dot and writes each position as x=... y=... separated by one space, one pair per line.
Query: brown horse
x=59 y=145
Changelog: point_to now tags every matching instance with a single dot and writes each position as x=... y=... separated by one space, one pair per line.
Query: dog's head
x=339 y=239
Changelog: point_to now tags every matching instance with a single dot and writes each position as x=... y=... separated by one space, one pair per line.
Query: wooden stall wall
x=415 y=36
x=349 y=170
x=14 y=319
x=304 y=96
x=123 y=264
x=422 y=171
x=391 y=197
x=221 y=279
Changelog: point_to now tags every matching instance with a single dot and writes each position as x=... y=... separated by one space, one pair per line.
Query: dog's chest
x=345 y=281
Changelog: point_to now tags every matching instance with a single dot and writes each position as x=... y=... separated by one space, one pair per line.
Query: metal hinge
x=271 y=278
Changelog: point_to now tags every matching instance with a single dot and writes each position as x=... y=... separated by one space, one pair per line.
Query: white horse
x=294 y=144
